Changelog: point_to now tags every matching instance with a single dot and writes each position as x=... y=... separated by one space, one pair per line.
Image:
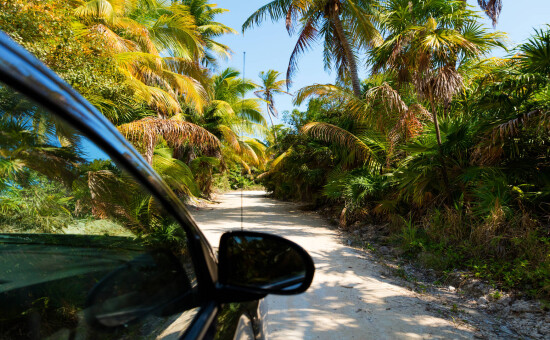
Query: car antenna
x=242 y=140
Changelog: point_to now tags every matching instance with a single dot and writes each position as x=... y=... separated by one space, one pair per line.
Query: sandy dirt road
x=348 y=298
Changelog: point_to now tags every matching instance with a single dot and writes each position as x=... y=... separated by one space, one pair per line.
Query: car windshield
x=84 y=249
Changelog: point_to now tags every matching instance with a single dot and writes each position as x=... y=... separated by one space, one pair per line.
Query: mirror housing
x=255 y=264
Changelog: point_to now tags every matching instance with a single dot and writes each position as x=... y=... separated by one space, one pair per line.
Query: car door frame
x=23 y=72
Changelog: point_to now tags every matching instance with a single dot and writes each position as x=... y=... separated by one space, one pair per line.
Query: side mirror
x=258 y=263
x=152 y=283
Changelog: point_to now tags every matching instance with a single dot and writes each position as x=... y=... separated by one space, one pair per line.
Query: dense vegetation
x=447 y=149
x=444 y=146
x=148 y=67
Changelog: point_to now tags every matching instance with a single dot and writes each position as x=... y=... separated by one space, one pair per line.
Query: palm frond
x=276 y=10
x=174 y=172
x=446 y=83
x=512 y=127
x=191 y=90
x=390 y=98
x=334 y=134
x=275 y=162
x=230 y=137
x=534 y=55
x=113 y=40
x=328 y=91
x=101 y=9
x=307 y=36
x=145 y=133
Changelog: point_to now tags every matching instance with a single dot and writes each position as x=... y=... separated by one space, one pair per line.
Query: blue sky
x=269 y=46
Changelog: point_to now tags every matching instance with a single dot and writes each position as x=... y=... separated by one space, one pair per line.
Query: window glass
x=85 y=252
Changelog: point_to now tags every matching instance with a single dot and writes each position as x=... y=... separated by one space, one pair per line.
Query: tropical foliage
x=149 y=65
x=345 y=27
x=446 y=147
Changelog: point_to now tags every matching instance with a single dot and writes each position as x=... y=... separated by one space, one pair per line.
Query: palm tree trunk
x=438 y=137
x=272 y=126
x=349 y=55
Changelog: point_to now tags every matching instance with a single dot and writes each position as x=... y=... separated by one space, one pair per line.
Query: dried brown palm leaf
x=423 y=63
x=512 y=127
x=420 y=112
x=409 y=125
x=401 y=42
x=492 y=8
x=487 y=153
x=390 y=98
x=490 y=150
x=144 y=133
x=391 y=102
x=446 y=83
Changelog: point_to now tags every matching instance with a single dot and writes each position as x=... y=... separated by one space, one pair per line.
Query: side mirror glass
x=152 y=283
x=263 y=263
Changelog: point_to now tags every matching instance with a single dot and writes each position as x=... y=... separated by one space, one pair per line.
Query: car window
x=85 y=252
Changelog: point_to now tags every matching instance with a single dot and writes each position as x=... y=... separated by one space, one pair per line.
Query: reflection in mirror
x=152 y=283
x=266 y=262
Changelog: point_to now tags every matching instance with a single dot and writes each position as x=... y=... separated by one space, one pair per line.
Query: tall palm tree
x=425 y=44
x=345 y=27
x=229 y=102
x=230 y=115
x=204 y=14
x=268 y=89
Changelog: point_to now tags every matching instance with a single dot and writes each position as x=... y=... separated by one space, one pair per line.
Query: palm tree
x=269 y=87
x=425 y=44
x=157 y=47
x=345 y=27
x=229 y=115
x=204 y=14
x=228 y=102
